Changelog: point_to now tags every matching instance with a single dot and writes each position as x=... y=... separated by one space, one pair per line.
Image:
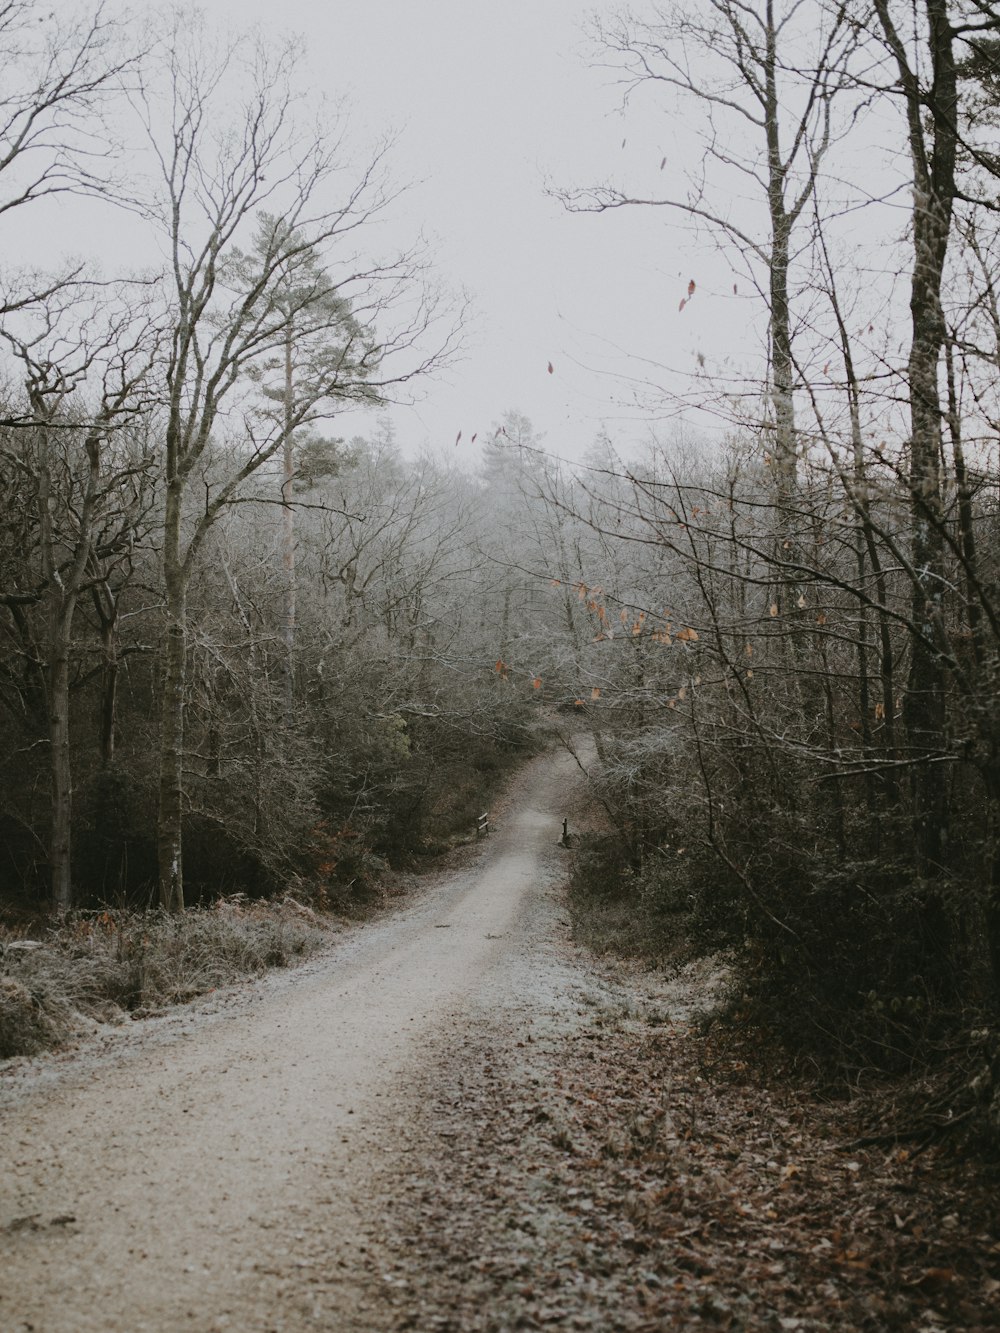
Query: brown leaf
x=934 y=1279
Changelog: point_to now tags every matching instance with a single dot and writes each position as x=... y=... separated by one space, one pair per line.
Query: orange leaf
x=595 y=693
x=774 y=608
x=691 y=289
x=537 y=683
x=551 y=371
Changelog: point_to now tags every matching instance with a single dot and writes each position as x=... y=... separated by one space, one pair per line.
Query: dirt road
x=214 y=1169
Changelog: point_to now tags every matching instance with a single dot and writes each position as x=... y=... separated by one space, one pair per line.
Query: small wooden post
x=564 y=840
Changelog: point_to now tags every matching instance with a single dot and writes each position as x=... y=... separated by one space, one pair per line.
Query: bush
x=97 y=966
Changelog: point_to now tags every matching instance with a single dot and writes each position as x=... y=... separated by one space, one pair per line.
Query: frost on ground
x=457 y=1120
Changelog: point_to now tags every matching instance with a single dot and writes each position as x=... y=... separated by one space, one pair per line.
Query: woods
x=248 y=648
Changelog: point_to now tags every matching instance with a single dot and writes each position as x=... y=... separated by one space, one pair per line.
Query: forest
x=245 y=652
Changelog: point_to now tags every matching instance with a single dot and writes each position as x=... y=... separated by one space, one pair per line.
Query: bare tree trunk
x=63 y=582
x=170 y=820
x=106 y=606
x=289 y=588
x=60 y=836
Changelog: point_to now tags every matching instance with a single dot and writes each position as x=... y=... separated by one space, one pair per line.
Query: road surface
x=212 y=1169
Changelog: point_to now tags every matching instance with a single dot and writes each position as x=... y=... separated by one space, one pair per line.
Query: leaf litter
x=630 y=1172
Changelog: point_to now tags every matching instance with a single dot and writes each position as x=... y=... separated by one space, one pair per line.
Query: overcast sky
x=493 y=101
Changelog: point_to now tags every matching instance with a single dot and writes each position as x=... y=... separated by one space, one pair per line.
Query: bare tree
x=762 y=80
x=233 y=310
x=60 y=73
x=77 y=350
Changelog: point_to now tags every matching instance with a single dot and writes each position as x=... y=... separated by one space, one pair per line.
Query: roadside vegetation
x=109 y=966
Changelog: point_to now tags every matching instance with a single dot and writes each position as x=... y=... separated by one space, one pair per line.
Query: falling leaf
x=682 y=692
x=821 y=618
x=734 y=289
x=595 y=693
x=826 y=369
x=537 y=683
x=623 y=143
x=749 y=650
x=551 y=370
x=691 y=289
x=458 y=437
x=473 y=440
x=556 y=583
x=774 y=608
x=801 y=602
x=682 y=304
x=749 y=673
x=663 y=163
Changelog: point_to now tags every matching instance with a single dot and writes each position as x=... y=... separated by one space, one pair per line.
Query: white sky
x=492 y=100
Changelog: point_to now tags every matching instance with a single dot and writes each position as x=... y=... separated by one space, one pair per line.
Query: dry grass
x=97 y=966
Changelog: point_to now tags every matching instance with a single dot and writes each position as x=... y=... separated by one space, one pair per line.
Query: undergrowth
x=100 y=966
x=832 y=1003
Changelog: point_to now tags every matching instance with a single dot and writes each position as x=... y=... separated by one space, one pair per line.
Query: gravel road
x=213 y=1169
